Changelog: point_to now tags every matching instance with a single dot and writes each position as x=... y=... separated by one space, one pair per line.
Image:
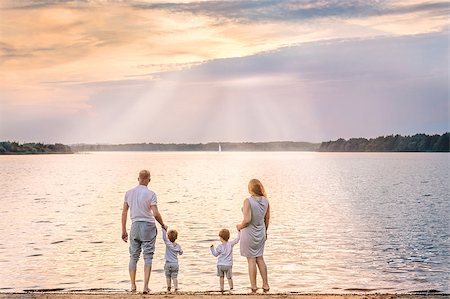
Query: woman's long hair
x=255 y=187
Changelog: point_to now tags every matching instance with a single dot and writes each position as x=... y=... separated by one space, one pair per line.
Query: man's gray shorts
x=223 y=271
x=171 y=270
x=142 y=236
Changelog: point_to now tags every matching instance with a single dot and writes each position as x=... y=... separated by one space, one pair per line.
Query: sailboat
x=220 y=148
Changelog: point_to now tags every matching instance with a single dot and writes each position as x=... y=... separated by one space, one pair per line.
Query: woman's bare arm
x=247 y=215
x=267 y=217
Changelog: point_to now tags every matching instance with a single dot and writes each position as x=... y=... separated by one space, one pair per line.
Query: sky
x=97 y=71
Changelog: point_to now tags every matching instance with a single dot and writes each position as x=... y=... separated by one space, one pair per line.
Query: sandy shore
x=216 y=296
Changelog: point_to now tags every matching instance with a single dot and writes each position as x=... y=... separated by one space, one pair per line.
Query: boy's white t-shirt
x=140 y=199
x=225 y=252
x=171 y=250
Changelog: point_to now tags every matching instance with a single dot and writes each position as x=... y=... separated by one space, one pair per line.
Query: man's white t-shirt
x=140 y=199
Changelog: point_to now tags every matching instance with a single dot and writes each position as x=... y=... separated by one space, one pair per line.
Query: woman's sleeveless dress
x=253 y=237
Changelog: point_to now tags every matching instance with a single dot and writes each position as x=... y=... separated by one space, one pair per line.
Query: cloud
x=289 y=10
x=81 y=40
x=38 y=4
x=311 y=92
x=85 y=65
x=409 y=57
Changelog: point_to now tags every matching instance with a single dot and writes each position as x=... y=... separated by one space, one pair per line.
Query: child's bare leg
x=168 y=283
x=175 y=283
x=222 y=280
x=230 y=283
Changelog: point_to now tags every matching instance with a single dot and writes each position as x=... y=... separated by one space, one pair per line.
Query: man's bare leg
x=147 y=271
x=133 y=280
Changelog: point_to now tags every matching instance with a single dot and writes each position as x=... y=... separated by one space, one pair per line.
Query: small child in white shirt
x=225 y=261
x=173 y=249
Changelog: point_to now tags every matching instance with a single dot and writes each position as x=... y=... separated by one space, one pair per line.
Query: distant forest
x=7 y=147
x=212 y=146
x=391 y=143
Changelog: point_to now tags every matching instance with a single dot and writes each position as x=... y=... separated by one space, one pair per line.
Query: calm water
x=340 y=222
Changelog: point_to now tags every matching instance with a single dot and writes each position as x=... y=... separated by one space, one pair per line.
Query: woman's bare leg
x=252 y=272
x=263 y=271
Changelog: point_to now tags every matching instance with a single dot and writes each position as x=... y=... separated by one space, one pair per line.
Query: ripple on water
x=69 y=283
x=360 y=290
x=43 y=290
x=207 y=241
x=431 y=291
x=58 y=242
x=373 y=229
x=39 y=198
x=98 y=290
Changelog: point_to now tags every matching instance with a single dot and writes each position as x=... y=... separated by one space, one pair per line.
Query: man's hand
x=124 y=222
x=125 y=236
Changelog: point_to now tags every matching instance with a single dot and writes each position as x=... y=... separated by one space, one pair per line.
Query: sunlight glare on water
x=340 y=222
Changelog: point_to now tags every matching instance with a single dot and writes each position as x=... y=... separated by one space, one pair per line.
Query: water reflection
x=340 y=222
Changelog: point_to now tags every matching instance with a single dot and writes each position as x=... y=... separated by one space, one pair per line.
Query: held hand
x=238 y=227
x=164 y=227
x=125 y=237
x=211 y=246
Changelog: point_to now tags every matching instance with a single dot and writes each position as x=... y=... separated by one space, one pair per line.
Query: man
x=143 y=207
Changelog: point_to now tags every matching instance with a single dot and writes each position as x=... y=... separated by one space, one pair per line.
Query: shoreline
x=215 y=294
x=35 y=153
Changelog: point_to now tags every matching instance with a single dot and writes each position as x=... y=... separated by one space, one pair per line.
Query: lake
x=341 y=222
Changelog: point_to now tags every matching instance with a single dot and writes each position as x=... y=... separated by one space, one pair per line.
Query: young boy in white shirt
x=225 y=261
x=173 y=249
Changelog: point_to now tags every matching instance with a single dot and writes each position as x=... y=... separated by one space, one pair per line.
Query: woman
x=253 y=230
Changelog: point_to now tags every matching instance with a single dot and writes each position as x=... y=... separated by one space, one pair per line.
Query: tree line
x=391 y=143
x=7 y=147
x=212 y=146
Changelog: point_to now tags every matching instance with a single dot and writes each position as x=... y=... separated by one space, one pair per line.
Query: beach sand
x=44 y=295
